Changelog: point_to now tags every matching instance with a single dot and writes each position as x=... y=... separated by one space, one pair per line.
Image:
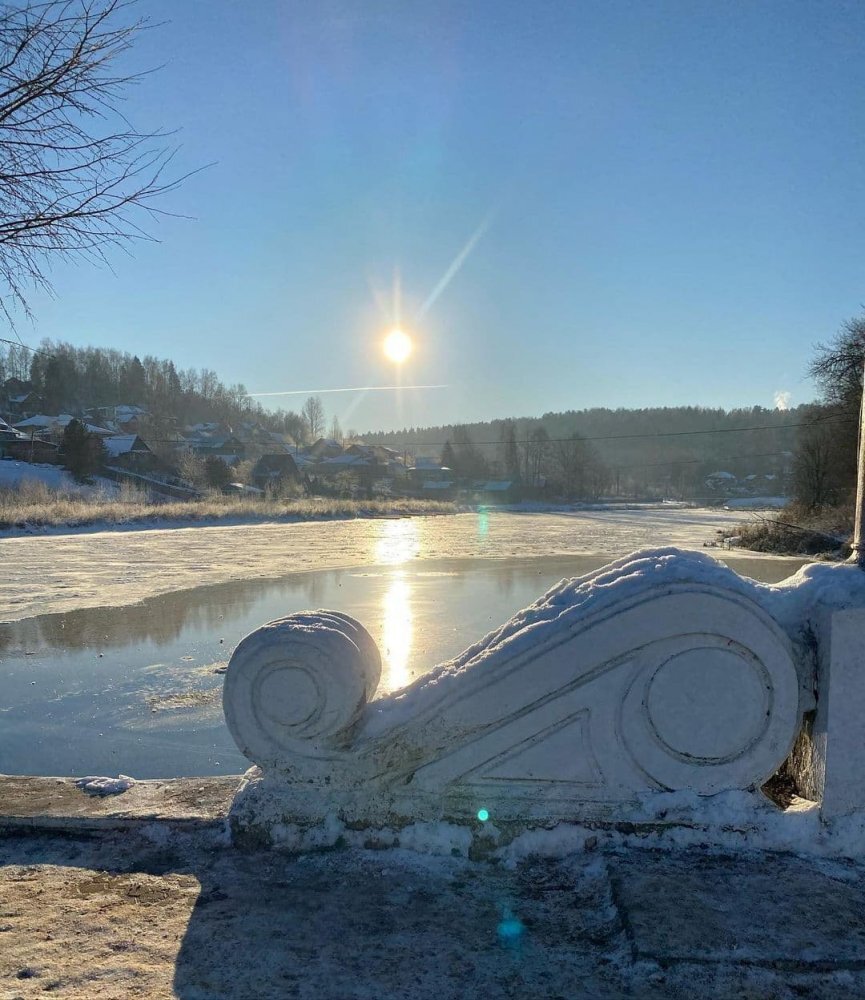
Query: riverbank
x=795 y=531
x=56 y=513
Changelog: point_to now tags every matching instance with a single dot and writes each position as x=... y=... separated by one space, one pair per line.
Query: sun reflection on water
x=396 y=631
x=397 y=542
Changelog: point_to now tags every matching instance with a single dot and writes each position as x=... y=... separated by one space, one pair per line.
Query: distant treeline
x=667 y=449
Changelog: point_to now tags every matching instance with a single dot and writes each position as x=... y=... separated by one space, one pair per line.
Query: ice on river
x=56 y=573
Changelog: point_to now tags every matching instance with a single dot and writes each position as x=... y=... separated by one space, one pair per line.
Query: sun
x=397 y=346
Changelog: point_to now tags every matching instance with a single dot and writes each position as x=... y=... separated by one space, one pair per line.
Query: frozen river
x=113 y=644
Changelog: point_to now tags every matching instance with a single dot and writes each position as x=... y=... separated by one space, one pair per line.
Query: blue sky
x=670 y=195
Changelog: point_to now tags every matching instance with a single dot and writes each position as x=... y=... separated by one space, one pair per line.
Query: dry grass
x=35 y=505
x=796 y=531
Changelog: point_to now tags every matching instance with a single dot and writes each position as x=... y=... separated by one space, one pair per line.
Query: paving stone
x=774 y=910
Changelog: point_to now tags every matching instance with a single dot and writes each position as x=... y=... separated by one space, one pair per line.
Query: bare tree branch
x=72 y=183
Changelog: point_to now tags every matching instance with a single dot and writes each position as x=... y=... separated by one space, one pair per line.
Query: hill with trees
x=664 y=450
x=71 y=379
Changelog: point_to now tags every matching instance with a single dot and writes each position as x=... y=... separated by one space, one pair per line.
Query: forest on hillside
x=666 y=449
x=73 y=379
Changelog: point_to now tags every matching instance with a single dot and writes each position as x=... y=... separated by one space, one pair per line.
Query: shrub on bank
x=797 y=531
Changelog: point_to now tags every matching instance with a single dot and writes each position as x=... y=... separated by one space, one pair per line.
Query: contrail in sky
x=456 y=264
x=352 y=388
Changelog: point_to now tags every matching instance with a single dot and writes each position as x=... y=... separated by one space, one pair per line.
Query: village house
x=216 y=440
x=51 y=428
x=129 y=453
x=495 y=491
x=18 y=400
x=325 y=448
x=274 y=471
x=126 y=418
x=9 y=436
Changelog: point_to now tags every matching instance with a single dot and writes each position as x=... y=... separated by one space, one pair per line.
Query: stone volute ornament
x=296 y=686
x=664 y=672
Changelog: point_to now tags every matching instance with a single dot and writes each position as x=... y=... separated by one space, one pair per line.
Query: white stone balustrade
x=662 y=672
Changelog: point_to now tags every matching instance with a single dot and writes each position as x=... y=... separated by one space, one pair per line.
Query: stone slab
x=36 y=803
x=841 y=709
x=777 y=911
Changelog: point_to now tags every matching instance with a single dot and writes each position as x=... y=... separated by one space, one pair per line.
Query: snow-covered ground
x=46 y=574
x=15 y=474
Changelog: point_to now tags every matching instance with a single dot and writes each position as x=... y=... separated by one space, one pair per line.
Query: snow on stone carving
x=686 y=688
x=662 y=672
x=295 y=685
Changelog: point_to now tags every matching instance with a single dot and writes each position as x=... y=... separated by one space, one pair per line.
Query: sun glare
x=397 y=346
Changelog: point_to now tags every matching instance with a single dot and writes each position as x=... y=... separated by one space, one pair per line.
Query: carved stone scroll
x=296 y=685
x=575 y=709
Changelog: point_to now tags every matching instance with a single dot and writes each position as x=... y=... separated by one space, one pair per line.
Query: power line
x=18 y=343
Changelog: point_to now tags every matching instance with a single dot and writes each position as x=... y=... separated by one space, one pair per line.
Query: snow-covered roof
x=244 y=488
x=120 y=444
x=346 y=460
x=43 y=420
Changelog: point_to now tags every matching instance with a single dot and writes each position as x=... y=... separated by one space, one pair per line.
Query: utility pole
x=858 y=555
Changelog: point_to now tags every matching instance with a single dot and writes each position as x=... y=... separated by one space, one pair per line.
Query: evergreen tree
x=81 y=452
x=134 y=386
x=510 y=453
x=216 y=472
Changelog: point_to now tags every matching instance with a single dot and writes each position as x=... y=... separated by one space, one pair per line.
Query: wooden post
x=858 y=555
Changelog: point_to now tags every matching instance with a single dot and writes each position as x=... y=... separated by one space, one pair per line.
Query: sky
x=566 y=204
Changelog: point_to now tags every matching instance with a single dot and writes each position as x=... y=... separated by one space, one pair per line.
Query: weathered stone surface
x=124 y=920
x=57 y=803
x=837 y=764
x=780 y=911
